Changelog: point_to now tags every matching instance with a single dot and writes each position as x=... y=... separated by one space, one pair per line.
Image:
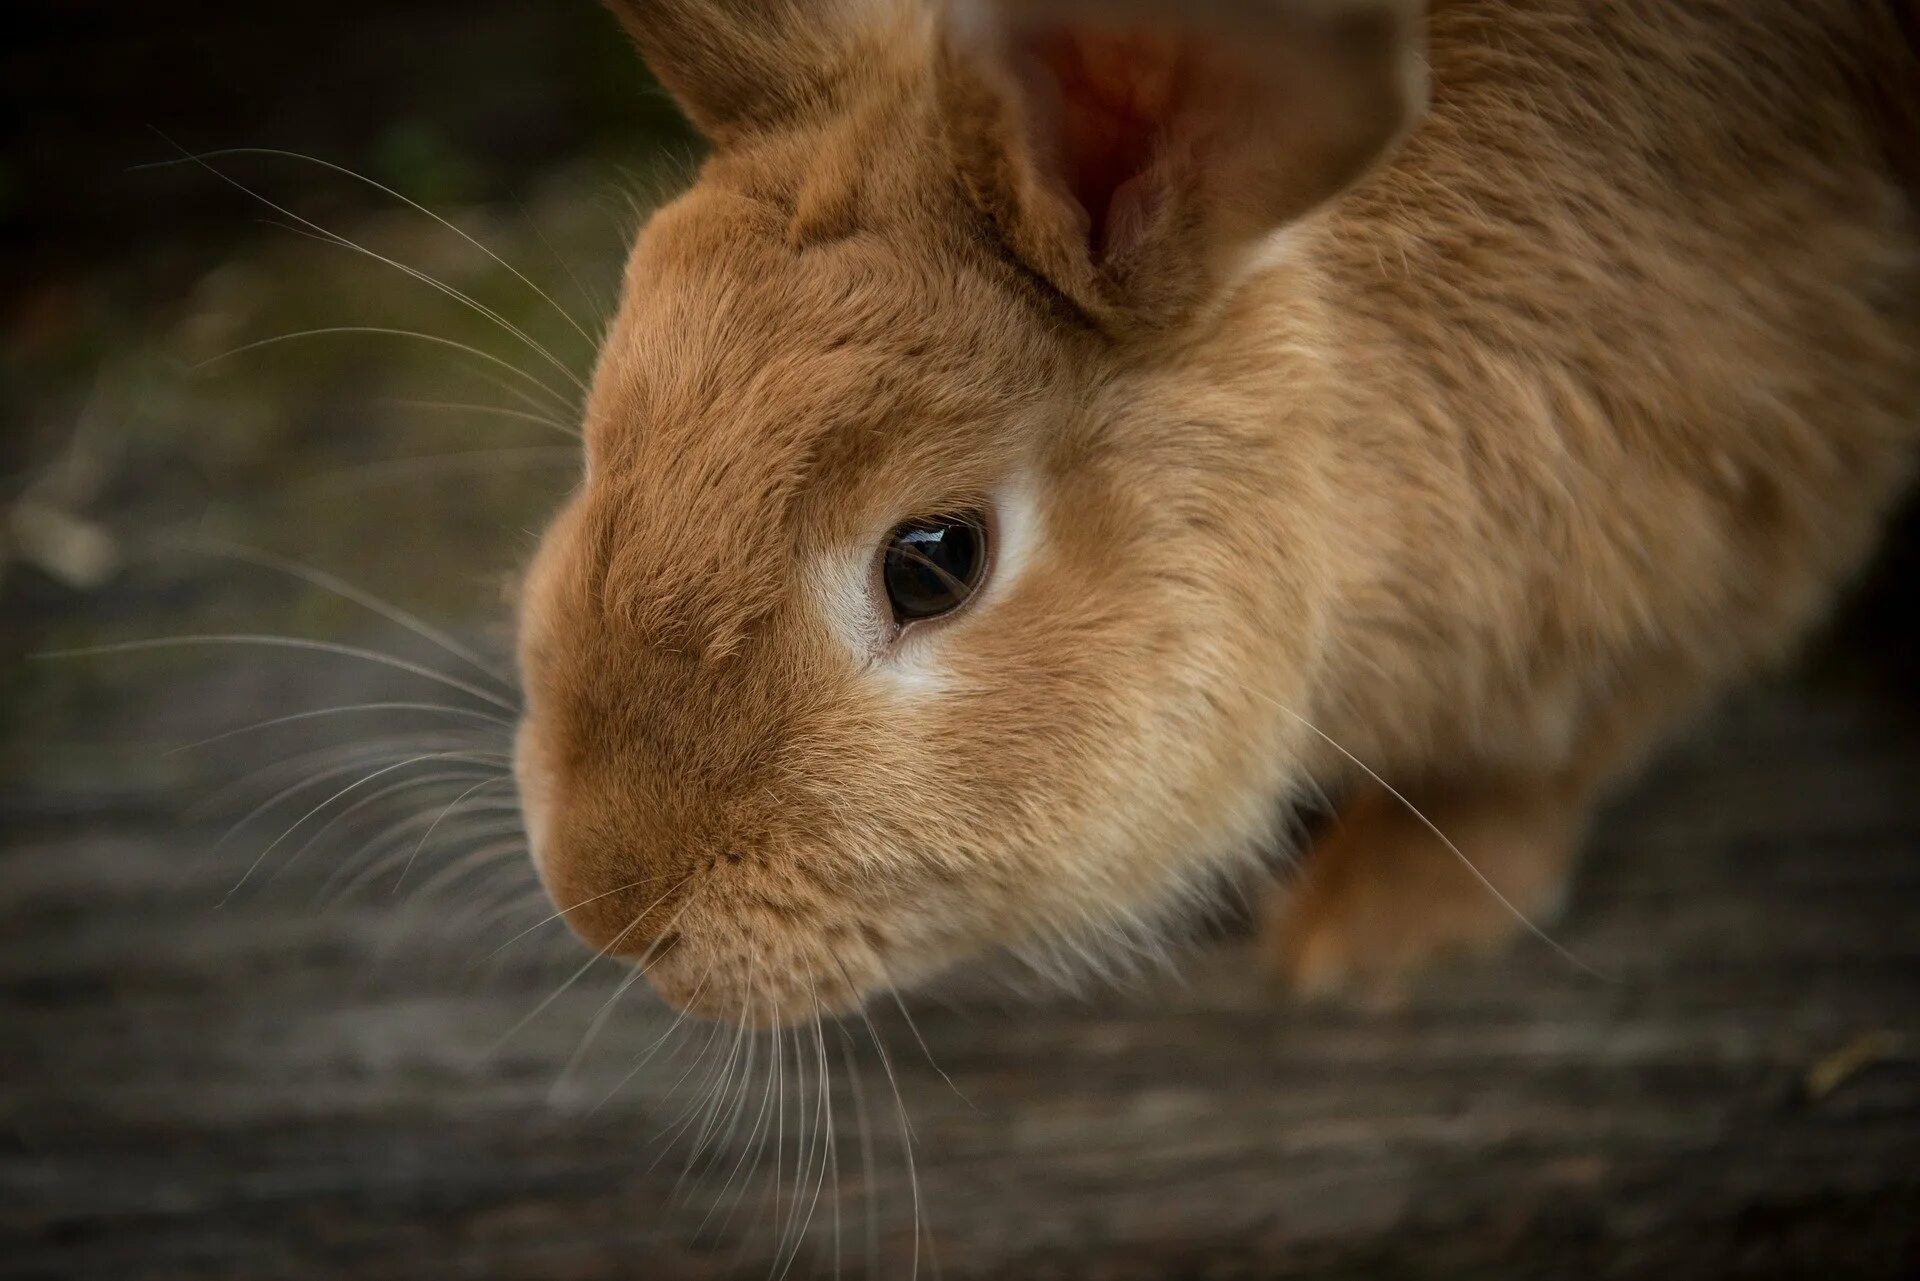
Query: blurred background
x=279 y=997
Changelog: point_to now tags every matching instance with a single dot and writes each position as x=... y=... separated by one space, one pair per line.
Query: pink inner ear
x=1117 y=94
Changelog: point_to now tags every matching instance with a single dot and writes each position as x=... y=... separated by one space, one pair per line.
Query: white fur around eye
x=842 y=583
x=1016 y=536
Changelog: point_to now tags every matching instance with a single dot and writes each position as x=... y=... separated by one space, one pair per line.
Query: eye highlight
x=931 y=565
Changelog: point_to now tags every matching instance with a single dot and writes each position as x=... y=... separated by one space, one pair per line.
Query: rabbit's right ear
x=740 y=66
x=1135 y=153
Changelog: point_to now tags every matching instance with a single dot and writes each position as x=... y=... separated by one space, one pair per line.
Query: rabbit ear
x=1135 y=152
x=737 y=66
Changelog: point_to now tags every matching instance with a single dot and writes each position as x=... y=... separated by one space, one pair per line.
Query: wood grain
x=279 y=1089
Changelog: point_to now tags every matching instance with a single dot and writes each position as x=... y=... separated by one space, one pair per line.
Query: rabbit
x=1048 y=440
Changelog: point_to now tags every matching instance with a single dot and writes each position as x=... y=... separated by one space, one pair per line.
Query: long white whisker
x=906 y=1126
x=594 y=302
x=203 y=157
x=550 y=919
x=490 y=411
x=497 y=881
x=559 y=399
x=284 y=642
x=795 y=1234
x=441 y=709
x=600 y=1019
x=912 y=1027
x=515 y=392
x=715 y=1090
x=776 y=1214
x=372 y=848
x=1444 y=839
x=703 y=1109
x=779 y=1128
x=859 y=1093
x=658 y=1041
x=351 y=787
x=473 y=304
x=354 y=758
x=502 y=854
x=347 y=591
x=433 y=827
x=218 y=799
x=754 y=1144
x=524 y=896
x=806 y=1147
x=591 y=961
x=710 y=1100
x=475 y=859
x=830 y=1142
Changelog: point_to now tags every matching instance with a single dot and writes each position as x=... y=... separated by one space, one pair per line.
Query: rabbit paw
x=1380 y=895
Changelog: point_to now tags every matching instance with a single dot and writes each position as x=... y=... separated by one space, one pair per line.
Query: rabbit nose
x=629 y=920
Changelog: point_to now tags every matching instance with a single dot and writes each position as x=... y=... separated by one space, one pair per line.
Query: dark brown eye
x=933 y=564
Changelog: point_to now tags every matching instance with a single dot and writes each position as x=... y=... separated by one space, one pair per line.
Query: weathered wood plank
x=272 y=1088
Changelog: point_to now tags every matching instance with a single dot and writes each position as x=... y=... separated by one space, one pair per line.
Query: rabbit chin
x=770 y=973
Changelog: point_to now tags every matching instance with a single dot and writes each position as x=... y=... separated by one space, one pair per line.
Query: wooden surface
x=288 y=1087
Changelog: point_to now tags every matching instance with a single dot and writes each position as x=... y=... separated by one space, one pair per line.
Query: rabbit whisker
x=711 y=1096
x=552 y=917
x=654 y=1048
x=307 y=227
x=858 y=1092
x=452 y=805
x=389 y=747
x=351 y=787
x=1524 y=920
x=373 y=846
x=906 y=1125
x=595 y=959
x=284 y=642
x=355 y=758
x=595 y=302
x=440 y=709
x=350 y=592
x=490 y=411
x=592 y=1034
x=530 y=381
x=753 y=1145
x=205 y=156
x=325 y=237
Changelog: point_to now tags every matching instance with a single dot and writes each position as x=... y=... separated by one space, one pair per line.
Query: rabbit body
x=1435 y=409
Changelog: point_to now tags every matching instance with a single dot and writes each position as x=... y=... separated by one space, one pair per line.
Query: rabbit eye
x=932 y=565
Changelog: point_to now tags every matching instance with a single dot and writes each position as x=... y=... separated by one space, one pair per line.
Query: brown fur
x=1574 y=410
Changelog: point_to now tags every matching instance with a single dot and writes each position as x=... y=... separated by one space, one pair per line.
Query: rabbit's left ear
x=1137 y=152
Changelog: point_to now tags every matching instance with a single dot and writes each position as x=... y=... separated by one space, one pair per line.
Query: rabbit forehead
x=754 y=392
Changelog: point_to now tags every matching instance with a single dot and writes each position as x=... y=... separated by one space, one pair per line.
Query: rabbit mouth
x=756 y=966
